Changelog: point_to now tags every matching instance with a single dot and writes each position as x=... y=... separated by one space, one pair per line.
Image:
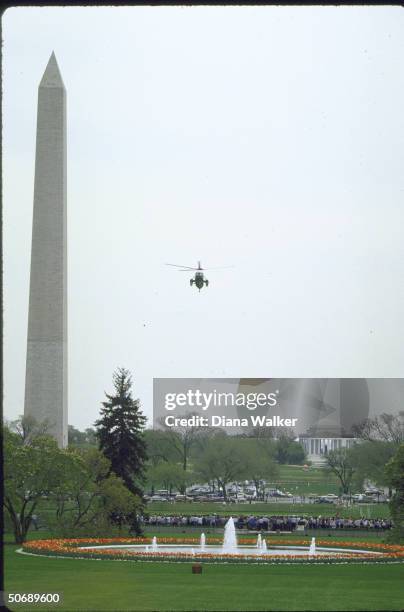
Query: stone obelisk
x=46 y=373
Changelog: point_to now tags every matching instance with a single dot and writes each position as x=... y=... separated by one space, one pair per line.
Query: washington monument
x=46 y=371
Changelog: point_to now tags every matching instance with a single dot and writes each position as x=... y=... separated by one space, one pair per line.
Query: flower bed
x=72 y=548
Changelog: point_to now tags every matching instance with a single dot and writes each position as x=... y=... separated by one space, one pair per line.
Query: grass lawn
x=271 y=509
x=120 y=585
x=300 y=481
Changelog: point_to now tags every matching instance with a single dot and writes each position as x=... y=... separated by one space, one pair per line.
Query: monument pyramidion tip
x=51 y=76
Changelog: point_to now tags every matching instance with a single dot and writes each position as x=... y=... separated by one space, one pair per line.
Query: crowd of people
x=347 y=523
x=271 y=523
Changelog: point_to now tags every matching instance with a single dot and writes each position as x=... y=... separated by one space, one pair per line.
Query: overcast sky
x=268 y=138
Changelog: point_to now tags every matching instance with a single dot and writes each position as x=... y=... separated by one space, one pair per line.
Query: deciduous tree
x=259 y=467
x=386 y=427
x=31 y=471
x=340 y=463
x=169 y=476
x=183 y=439
x=90 y=496
x=224 y=460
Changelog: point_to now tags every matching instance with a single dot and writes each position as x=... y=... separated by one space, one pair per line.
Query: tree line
x=380 y=440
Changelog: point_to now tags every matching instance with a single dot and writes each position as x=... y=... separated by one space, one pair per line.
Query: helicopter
x=199 y=279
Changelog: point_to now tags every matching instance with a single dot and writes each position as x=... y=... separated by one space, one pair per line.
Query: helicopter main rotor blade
x=184 y=268
x=219 y=268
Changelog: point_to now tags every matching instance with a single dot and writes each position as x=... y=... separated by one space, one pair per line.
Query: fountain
x=203 y=542
x=230 y=546
x=230 y=539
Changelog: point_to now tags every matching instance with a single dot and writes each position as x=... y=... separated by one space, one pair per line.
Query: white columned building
x=317 y=447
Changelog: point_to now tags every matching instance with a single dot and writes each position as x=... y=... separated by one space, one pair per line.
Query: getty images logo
x=214 y=399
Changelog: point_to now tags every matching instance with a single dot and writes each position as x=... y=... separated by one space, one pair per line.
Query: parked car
x=276 y=493
x=326 y=499
x=198 y=491
x=251 y=491
x=241 y=497
x=159 y=498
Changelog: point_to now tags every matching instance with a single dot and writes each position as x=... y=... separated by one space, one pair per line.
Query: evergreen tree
x=120 y=433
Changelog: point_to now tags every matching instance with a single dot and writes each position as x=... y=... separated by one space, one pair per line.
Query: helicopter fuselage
x=199 y=280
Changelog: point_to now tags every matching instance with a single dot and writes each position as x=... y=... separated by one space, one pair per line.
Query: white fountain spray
x=230 y=539
x=312 y=550
x=203 y=542
x=259 y=541
x=264 y=546
x=154 y=544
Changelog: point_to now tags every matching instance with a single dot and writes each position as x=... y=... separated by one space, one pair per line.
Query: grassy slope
x=117 y=585
x=300 y=481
